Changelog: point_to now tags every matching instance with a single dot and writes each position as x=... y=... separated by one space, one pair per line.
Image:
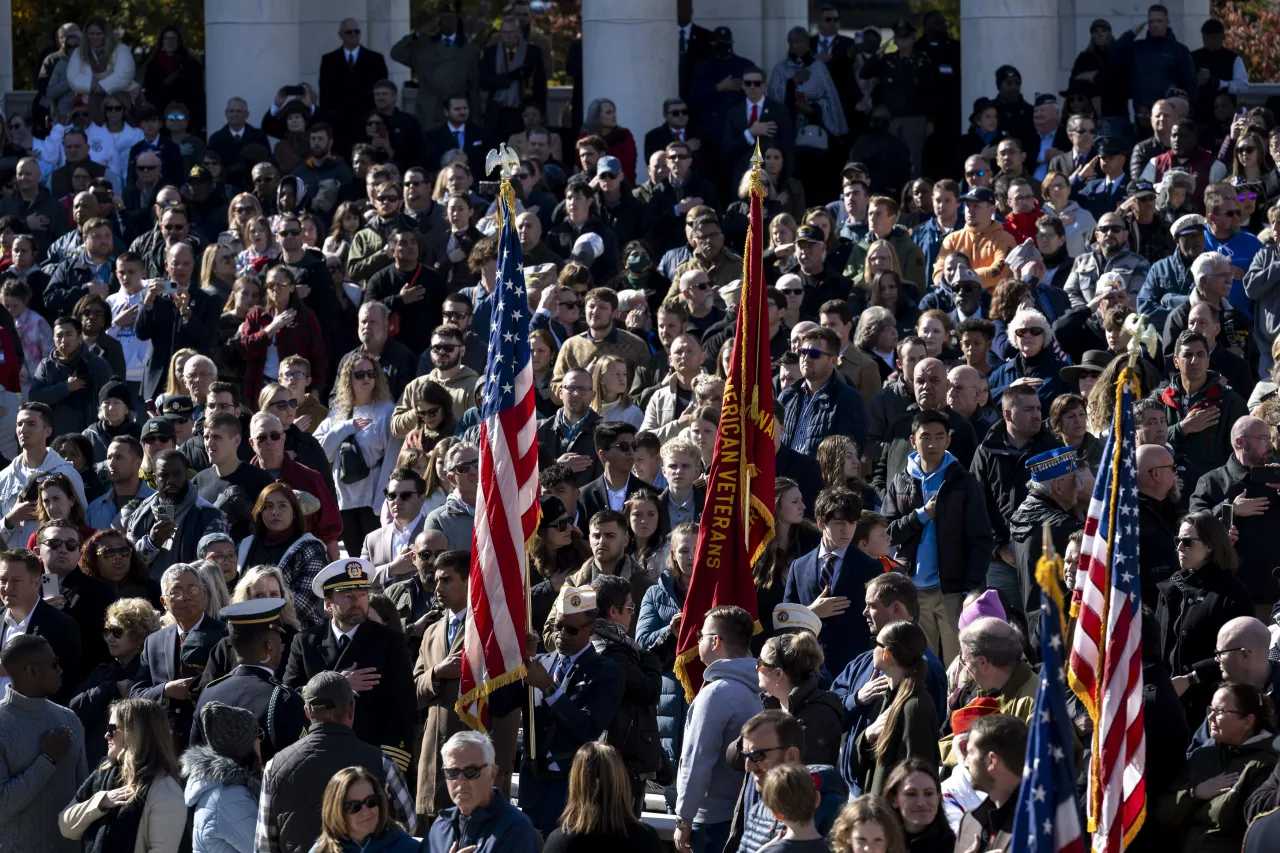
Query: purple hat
x=987 y=604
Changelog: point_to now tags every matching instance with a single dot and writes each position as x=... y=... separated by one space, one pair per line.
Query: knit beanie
x=228 y=730
x=987 y=604
x=116 y=390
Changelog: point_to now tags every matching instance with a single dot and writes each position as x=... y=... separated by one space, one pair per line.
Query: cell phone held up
x=49 y=586
x=1265 y=475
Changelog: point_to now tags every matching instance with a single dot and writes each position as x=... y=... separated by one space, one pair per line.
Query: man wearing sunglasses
x=456 y=519
x=1111 y=253
x=675 y=197
x=674 y=128
x=616 y=450
x=388 y=547
x=823 y=404
x=481 y=817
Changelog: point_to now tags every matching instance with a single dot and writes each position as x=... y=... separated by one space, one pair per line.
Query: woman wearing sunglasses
x=128 y=624
x=362 y=421
x=354 y=817
x=1202 y=596
x=1037 y=362
x=107 y=556
x=132 y=800
x=282 y=326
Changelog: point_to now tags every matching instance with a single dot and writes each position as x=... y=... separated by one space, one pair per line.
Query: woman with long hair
x=177 y=361
x=355 y=816
x=281 y=327
x=1069 y=421
x=133 y=799
x=866 y=825
x=888 y=290
x=128 y=624
x=598 y=814
x=788 y=669
x=877 y=335
x=115 y=112
x=56 y=498
x=259 y=245
x=356 y=437
x=880 y=257
x=258 y=582
x=648 y=545
x=612 y=399
x=1251 y=161
x=934 y=328
x=241 y=210
x=433 y=415
x=914 y=792
x=173 y=74
x=601 y=119
x=107 y=556
x=1076 y=221
x=793 y=535
x=658 y=628
x=246 y=294
x=907 y=725
x=841 y=465
x=78 y=451
x=780 y=250
x=218 y=271
x=556 y=550
x=102 y=66
x=543 y=351
x=279 y=537
x=788 y=192
x=222 y=780
x=346 y=223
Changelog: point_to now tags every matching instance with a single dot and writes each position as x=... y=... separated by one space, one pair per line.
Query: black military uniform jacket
x=279 y=710
x=385 y=713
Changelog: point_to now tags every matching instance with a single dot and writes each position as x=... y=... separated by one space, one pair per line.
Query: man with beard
x=167 y=527
x=372 y=657
x=1169 y=282
x=386 y=218
x=322 y=164
x=1158 y=496
x=1111 y=254
x=410 y=290
x=124 y=466
x=427 y=216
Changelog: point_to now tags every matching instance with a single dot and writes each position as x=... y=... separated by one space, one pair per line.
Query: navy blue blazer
x=160 y=665
x=846 y=636
x=584 y=710
x=1093 y=199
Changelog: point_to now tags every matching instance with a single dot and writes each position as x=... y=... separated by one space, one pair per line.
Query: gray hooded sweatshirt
x=707 y=786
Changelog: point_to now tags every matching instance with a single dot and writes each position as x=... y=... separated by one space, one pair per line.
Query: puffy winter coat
x=224 y=795
x=661 y=602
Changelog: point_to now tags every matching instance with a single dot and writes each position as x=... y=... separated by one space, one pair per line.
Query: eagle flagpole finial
x=503 y=158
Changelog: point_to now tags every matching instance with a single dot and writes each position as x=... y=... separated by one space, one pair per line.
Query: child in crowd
x=871 y=535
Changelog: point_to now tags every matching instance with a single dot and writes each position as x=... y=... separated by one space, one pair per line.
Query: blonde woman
x=598 y=813
x=355 y=815
x=612 y=400
x=133 y=800
x=787 y=671
x=242 y=210
x=102 y=66
x=218 y=271
x=362 y=421
x=177 y=362
x=258 y=582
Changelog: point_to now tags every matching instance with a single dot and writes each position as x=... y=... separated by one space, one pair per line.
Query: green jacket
x=1216 y=825
x=910 y=259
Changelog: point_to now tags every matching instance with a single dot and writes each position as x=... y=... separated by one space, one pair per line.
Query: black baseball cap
x=158 y=426
x=982 y=194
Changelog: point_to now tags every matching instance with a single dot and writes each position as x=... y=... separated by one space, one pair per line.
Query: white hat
x=575 y=599
x=730 y=290
x=587 y=248
x=351 y=573
x=1025 y=253
x=788 y=280
x=795 y=616
x=1108 y=283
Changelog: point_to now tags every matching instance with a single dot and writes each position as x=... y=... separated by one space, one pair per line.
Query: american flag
x=507 y=498
x=1047 y=819
x=1105 y=669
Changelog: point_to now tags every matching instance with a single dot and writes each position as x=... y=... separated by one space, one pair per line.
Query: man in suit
x=457 y=131
x=674 y=128
x=677 y=195
x=404 y=133
x=578 y=695
x=756 y=119
x=436 y=677
x=388 y=546
x=512 y=71
x=258 y=643
x=693 y=43
x=569 y=436
x=444 y=63
x=616 y=450
x=374 y=658
x=174 y=657
x=347 y=77
x=1082 y=131
x=836 y=52
x=230 y=140
x=81 y=597
x=25 y=612
x=835 y=575
x=1104 y=183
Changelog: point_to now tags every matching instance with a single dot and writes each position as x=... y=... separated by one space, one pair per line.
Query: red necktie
x=755 y=114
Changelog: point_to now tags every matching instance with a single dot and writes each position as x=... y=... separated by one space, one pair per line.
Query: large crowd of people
x=239 y=420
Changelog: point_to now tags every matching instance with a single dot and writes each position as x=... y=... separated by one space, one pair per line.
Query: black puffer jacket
x=1002 y=473
x=1025 y=526
x=821 y=715
x=1191 y=608
x=634 y=730
x=1157 y=552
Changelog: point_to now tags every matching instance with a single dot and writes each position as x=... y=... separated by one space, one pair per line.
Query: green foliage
x=35 y=23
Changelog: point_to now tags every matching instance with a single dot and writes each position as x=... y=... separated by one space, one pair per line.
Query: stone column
x=629 y=55
x=1021 y=33
x=251 y=48
x=388 y=22
x=779 y=16
x=318 y=32
x=6 y=46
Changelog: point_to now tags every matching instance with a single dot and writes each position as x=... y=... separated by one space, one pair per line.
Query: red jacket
x=1199 y=164
x=325 y=525
x=302 y=338
x=1023 y=225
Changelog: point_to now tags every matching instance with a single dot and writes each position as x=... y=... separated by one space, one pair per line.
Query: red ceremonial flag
x=737 y=519
x=507 y=495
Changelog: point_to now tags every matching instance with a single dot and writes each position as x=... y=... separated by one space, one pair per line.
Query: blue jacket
x=102 y=512
x=857 y=717
x=1169 y=283
x=838 y=410
x=496 y=828
x=929 y=238
x=393 y=840
x=1044 y=366
x=224 y=796
x=1154 y=65
x=589 y=700
x=661 y=602
x=845 y=636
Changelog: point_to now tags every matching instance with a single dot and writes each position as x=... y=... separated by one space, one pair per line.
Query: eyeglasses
x=1029 y=333
x=976 y=173
x=571 y=304
x=811 y=352
x=289 y=232
x=113 y=109
x=118 y=551
x=387 y=199
x=677 y=156
x=455 y=315
x=1221 y=712
x=370 y=802
x=245 y=208
x=757 y=755
x=220 y=557
x=112 y=728
x=285 y=404
x=788 y=291
x=561 y=524
x=295 y=375
x=567 y=630
x=1247 y=149
x=471 y=771
x=626 y=446
x=269 y=436
x=401 y=496
x=464 y=467
x=1218 y=654
x=443 y=347
x=1230 y=214
x=577 y=389
x=432 y=412
x=176 y=116
x=1246 y=197
x=1110 y=229
x=113 y=631
x=154 y=439
x=364 y=374
x=1187 y=542
x=762 y=664
x=415 y=183
x=59 y=544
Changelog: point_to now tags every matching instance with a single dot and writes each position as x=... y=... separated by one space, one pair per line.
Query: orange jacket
x=985 y=249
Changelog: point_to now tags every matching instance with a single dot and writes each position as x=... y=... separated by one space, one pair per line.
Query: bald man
x=1256 y=508
x=968 y=395
x=1158 y=495
x=1242 y=647
x=347 y=77
x=929 y=385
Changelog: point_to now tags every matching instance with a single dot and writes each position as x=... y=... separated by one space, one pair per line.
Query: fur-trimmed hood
x=206 y=771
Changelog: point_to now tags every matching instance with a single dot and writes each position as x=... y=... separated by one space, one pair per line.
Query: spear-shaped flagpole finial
x=757 y=159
